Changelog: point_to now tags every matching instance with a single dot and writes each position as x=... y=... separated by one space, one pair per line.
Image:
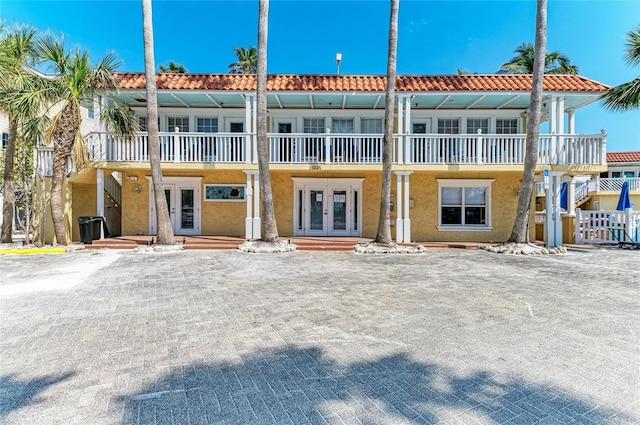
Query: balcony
x=348 y=149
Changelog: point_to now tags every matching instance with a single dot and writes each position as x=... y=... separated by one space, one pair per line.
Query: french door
x=183 y=203
x=328 y=207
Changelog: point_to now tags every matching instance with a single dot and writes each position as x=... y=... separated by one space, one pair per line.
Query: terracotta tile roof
x=362 y=83
x=633 y=156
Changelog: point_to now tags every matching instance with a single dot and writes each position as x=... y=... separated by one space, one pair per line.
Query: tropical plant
x=626 y=96
x=522 y=62
x=165 y=234
x=16 y=51
x=383 y=235
x=519 y=232
x=74 y=80
x=172 y=67
x=268 y=226
x=247 y=61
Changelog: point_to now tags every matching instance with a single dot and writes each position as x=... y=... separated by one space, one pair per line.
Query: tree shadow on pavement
x=16 y=394
x=302 y=385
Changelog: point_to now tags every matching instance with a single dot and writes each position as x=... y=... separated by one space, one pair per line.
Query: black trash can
x=89 y=228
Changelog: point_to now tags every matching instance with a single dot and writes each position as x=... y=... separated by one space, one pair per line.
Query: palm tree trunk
x=519 y=233
x=9 y=197
x=383 y=235
x=165 y=232
x=63 y=139
x=268 y=226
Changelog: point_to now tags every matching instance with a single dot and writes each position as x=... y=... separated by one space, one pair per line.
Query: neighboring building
x=458 y=154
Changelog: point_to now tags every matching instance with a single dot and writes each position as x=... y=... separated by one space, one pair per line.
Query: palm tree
x=16 y=51
x=247 y=61
x=519 y=232
x=172 y=67
x=626 y=96
x=268 y=226
x=165 y=231
x=522 y=62
x=75 y=80
x=383 y=235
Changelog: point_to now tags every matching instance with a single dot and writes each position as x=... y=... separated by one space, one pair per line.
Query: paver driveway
x=222 y=337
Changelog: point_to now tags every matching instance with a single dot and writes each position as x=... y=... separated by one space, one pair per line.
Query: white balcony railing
x=423 y=149
x=613 y=184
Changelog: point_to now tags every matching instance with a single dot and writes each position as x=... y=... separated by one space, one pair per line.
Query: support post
x=100 y=197
x=399 y=219
x=256 y=206
x=248 y=225
x=407 y=221
x=401 y=130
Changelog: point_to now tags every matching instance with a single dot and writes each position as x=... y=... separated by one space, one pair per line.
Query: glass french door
x=183 y=204
x=328 y=210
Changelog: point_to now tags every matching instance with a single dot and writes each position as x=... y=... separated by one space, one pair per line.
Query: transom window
x=448 y=126
x=180 y=124
x=419 y=128
x=236 y=127
x=371 y=126
x=313 y=125
x=464 y=204
x=475 y=124
x=207 y=125
x=342 y=125
x=506 y=126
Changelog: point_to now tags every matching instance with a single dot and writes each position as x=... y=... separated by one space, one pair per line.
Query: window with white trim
x=464 y=204
x=342 y=125
x=180 y=123
x=475 y=124
x=207 y=125
x=448 y=126
x=371 y=125
x=5 y=140
x=507 y=126
x=313 y=125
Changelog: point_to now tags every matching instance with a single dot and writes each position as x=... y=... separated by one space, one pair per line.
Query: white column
x=248 y=127
x=553 y=221
x=399 y=219
x=248 y=225
x=256 y=206
x=571 y=197
x=401 y=130
x=254 y=125
x=553 y=115
x=407 y=130
x=407 y=221
x=557 y=211
x=100 y=197
x=572 y=121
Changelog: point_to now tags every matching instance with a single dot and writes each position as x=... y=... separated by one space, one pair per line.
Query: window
x=448 y=126
x=236 y=127
x=464 y=204
x=142 y=123
x=475 y=124
x=371 y=126
x=207 y=125
x=90 y=112
x=419 y=128
x=507 y=126
x=180 y=124
x=5 y=140
x=313 y=125
x=342 y=125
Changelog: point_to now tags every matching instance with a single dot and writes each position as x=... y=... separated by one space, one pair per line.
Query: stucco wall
x=610 y=201
x=84 y=204
x=228 y=218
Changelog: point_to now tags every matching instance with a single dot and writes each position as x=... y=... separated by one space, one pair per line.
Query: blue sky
x=435 y=37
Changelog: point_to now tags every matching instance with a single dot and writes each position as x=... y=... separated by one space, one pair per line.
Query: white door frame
x=301 y=212
x=176 y=184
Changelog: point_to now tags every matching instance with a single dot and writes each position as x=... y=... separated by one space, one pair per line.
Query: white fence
x=607 y=227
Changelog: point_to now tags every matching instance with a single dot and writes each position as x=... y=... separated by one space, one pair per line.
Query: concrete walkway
x=223 y=337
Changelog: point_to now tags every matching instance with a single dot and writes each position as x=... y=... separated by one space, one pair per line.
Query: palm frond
x=632 y=54
x=80 y=153
x=51 y=50
x=624 y=97
x=120 y=120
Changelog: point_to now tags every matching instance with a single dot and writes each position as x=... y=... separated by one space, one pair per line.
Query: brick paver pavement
x=222 y=337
